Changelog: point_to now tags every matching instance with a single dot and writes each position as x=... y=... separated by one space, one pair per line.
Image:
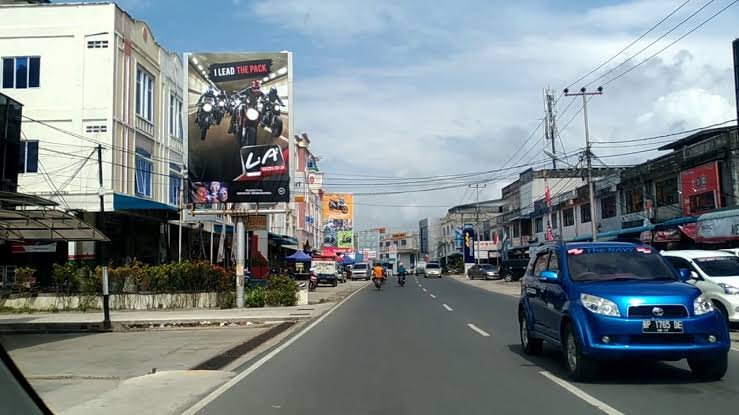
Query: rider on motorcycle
x=209 y=93
x=254 y=93
x=273 y=96
x=378 y=272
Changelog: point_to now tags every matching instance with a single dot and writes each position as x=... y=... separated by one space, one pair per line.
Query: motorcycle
x=248 y=120
x=401 y=279
x=271 y=117
x=204 y=118
x=312 y=282
x=220 y=111
x=378 y=283
x=346 y=240
x=339 y=205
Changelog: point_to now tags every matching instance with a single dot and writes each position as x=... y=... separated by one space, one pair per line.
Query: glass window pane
x=34 y=72
x=22 y=158
x=138 y=92
x=21 y=73
x=8 y=72
x=32 y=157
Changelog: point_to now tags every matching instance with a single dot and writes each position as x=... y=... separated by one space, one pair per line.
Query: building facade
x=400 y=247
x=458 y=216
x=99 y=78
x=308 y=197
x=429 y=236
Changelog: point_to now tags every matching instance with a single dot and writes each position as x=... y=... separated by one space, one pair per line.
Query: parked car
x=616 y=300
x=361 y=271
x=484 y=271
x=420 y=267
x=716 y=273
x=512 y=269
x=432 y=269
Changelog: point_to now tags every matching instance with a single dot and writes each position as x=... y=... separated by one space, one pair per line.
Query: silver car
x=361 y=271
x=432 y=270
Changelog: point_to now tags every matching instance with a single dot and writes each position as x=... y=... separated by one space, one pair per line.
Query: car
x=512 y=269
x=432 y=269
x=617 y=300
x=716 y=273
x=420 y=266
x=361 y=271
x=484 y=271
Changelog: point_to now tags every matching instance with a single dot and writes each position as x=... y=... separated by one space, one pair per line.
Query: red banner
x=700 y=189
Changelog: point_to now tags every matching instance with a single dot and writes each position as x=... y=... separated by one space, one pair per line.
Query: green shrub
x=24 y=278
x=281 y=291
x=255 y=297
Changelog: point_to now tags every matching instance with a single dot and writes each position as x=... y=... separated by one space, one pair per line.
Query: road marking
x=482 y=332
x=432 y=296
x=447 y=307
x=424 y=290
x=602 y=406
x=238 y=378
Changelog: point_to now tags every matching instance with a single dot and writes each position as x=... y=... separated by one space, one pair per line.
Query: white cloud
x=468 y=104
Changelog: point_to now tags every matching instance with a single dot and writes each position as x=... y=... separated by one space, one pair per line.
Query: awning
x=218 y=228
x=282 y=240
x=126 y=202
x=718 y=227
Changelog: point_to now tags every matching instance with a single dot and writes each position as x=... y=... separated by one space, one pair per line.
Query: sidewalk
x=512 y=289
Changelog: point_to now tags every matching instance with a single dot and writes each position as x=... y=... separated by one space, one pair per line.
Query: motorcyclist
x=401 y=270
x=209 y=93
x=254 y=93
x=378 y=272
x=273 y=97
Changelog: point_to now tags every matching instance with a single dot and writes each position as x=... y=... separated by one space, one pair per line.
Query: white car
x=716 y=273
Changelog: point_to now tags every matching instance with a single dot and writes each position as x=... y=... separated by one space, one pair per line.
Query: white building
x=90 y=74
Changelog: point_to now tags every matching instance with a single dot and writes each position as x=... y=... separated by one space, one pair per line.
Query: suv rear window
x=432 y=266
x=617 y=264
x=360 y=266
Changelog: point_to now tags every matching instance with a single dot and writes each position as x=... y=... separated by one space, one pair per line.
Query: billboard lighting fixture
x=200 y=67
x=282 y=70
x=265 y=79
x=195 y=60
x=272 y=76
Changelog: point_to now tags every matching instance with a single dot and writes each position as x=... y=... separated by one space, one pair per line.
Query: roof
x=46 y=225
x=694 y=138
x=696 y=253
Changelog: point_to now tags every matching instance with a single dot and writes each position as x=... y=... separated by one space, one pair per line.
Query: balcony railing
x=145 y=126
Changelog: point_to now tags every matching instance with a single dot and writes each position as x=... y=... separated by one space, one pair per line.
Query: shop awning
x=718 y=227
x=31 y=218
x=283 y=240
x=126 y=202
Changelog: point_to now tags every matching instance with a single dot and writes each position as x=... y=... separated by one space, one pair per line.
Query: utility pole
x=477 y=219
x=101 y=260
x=588 y=154
x=550 y=123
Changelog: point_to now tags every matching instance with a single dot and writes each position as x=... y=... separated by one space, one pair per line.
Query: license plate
x=662 y=326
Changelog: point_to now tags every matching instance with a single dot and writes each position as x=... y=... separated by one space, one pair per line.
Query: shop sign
x=700 y=188
x=255 y=222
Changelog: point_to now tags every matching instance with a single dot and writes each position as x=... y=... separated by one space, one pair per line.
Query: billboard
x=700 y=188
x=469 y=247
x=239 y=122
x=338 y=226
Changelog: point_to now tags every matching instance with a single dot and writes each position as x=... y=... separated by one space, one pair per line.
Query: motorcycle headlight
x=222 y=104
x=702 y=305
x=729 y=289
x=252 y=114
x=260 y=106
x=207 y=107
x=600 y=305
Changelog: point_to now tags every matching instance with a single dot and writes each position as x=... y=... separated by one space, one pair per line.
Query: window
x=553 y=262
x=608 y=207
x=568 y=217
x=144 y=95
x=540 y=264
x=28 y=157
x=387 y=243
x=585 y=213
x=403 y=242
x=555 y=219
x=516 y=231
x=175 y=182
x=539 y=225
x=96 y=128
x=679 y=263
x=175 y=116
x=97 y=44
x=702 y=202
x=634 y=200
x=666 y=192
x=144 y=167
x=21 y=72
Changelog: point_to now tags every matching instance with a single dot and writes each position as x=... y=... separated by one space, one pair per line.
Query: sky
x=397 y=89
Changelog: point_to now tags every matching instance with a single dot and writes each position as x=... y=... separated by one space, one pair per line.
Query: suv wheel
x=579 y=367
x=507 y=276
x=709 y=369
x=530 y=345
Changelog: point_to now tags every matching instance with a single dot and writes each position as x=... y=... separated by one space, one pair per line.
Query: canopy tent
x=347 y=260
x=299 y=256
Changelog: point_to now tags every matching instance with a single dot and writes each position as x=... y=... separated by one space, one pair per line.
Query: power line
x=656 y=137
x=669 y=45
x=649 y=45
x=629 y=45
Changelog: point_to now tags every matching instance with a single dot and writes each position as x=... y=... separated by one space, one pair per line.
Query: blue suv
x=618 y=300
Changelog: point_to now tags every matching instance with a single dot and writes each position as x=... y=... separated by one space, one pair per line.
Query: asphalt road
x=412 y=350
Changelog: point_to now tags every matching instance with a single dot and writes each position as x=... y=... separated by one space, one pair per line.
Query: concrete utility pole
x=477 y=219
x=550 y=123
x=101 y=260
x=588 y=154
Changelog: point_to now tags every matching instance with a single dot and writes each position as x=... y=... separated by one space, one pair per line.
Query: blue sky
x=403 y=89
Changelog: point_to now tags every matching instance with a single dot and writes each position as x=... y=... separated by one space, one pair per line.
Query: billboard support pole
x=240 y=245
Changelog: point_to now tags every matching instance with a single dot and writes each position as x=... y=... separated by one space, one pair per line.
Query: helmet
x=273 y=91
x=256 y=85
